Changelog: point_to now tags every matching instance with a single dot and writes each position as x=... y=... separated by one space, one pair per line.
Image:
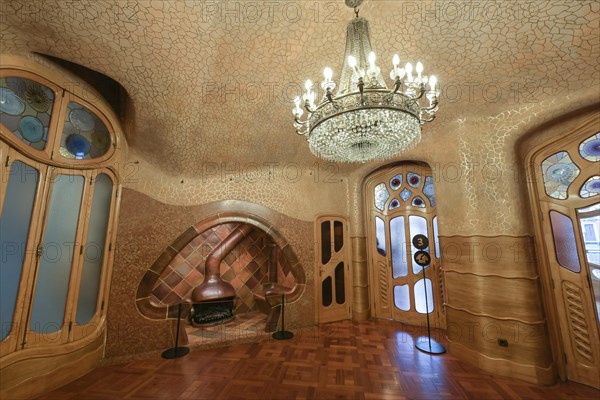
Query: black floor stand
x=283 y=334
x=176 y=352
x=426 y=343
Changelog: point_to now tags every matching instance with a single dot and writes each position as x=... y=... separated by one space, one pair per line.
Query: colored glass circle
x=82 y=120
x=592 y=147
x=78 y=145
x=31 y=128
x=10 y=103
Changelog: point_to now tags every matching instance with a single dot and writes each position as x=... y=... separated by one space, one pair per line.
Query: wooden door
x=401 y=204
x=567 y=197
x=334 y=279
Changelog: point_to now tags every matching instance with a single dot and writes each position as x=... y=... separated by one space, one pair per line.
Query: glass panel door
x=59 y=253
x=94 y=249
x=20 y=190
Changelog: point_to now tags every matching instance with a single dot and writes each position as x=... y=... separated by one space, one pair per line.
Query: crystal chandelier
x=364 y=120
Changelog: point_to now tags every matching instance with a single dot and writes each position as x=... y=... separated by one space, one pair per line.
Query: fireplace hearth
x=212 y=312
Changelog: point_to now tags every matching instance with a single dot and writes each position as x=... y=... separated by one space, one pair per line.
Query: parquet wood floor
x=344 y=360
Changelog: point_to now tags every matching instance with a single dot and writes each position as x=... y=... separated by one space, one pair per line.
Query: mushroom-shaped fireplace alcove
x=234 y=267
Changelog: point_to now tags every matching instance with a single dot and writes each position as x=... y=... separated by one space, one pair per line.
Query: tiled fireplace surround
x=160 y=260
x=246 y=268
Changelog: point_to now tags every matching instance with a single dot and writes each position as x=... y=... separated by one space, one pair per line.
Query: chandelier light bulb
x=419 y=69
x=308 y=85
x=372 y=59
x=328 y=74
x=396 y=60
x=409 y=68
x=352 y=62
x=432 y=82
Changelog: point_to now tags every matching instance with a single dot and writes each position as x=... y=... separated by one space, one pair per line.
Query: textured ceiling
x=213 y=81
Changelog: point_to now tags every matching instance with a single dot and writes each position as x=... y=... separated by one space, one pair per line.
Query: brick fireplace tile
x=228 y=275
x=231 y=258
x=172 y=298
x=194 y=278
x=172 y=280
x=197 y=241
x=196 y=260
x=161 y=290
x=204 y=249
x=186 y=251
x=252 y=266
x=252 y=282
x=244 y=275
x=183 y=269
x=213 y=240
x=183 y=289
x=253 y=250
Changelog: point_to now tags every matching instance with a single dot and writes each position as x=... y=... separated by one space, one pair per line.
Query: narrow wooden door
x=333 y=283
x=575 y=300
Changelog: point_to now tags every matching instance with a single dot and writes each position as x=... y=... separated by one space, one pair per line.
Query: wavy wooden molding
x=542 y=321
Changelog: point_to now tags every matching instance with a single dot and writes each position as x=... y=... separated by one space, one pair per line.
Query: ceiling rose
x=364 y=120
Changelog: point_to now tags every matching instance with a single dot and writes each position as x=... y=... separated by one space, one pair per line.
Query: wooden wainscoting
x=495 y=317
x=29 y=373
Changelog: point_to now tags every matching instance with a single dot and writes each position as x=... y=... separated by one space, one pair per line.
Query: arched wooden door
x=566 y=193
x=401 y=208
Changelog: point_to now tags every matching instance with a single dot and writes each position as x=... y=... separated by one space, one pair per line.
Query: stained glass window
x=395 y=203
x=418 y=202
x=413 y=179
x=381 y=196
x=405 y=194
x=84 y=135
x=396 y=182
x=559 y=172
x=25 y=110
x=590 y=148
x=591 y=187
x=428 y=190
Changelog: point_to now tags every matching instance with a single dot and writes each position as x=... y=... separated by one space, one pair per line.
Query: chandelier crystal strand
x=365 y=120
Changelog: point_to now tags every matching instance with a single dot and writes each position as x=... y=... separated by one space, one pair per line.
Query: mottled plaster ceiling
x=213 y=81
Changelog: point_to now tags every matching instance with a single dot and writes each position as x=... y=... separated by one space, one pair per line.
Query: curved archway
x=146 y=301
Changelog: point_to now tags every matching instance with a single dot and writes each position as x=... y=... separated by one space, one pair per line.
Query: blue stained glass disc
x=592 y=147
x=31 y=128
x=78 y=145
x=561 y=173
x=82 y=120
x=10 y=103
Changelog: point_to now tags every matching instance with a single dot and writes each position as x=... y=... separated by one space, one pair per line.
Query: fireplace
x=212 y=312
x=214 y=298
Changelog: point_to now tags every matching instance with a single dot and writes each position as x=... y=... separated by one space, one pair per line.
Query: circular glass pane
x=31 y=128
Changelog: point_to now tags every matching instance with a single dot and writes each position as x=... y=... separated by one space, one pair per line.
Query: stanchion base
x=283 y=335
x=175 y=352
x=432 y=347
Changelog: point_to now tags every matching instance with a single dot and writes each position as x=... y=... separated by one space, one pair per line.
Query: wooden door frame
x=532 y=174
x=434 y=275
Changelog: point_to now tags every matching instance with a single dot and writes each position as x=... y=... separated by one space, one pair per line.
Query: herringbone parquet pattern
x=344 y=360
